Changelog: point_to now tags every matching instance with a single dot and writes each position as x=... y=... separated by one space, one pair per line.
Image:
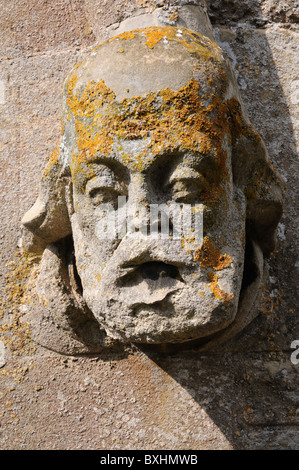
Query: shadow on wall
x=248 y=386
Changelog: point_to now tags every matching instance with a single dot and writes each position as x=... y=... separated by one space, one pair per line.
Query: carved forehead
x=159 y=84
x=151 y=59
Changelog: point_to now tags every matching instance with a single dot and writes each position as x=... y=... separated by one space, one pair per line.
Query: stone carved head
x=153 y=115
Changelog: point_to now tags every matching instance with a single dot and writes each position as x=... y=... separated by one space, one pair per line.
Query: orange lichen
x=210 y=257
x=238 y=126
x=173 y=16
x=218 y=293
x=14 y=332
x=194 y=42
x=53 y=160
x=71 y=85
x=94 y=97
x=125 y=35
x=170 y=119
x=154 y=35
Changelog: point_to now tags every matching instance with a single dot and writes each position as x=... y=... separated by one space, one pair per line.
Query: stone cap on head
x=147 y=60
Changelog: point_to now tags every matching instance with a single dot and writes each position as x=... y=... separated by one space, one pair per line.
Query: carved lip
x=149 y=282
x=151 y=269
x=152 y=272
x=147 y=258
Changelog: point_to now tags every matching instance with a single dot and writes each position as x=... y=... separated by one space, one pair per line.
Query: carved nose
x=155 y=270
x=138 y=191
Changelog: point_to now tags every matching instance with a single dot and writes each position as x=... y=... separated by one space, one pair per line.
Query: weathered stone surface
x=136 y=402
x=2 y=354
x=192 y=17
x=256 y=12
x=43 y=27
x=266 y=63
x=133 y=129
x=59 y=318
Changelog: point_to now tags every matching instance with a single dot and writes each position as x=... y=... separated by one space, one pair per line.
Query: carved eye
x=185 y=191
x=104 y=190
x=185 y=184
x=103 y=196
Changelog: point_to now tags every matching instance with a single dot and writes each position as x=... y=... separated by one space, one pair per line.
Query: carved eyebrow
x=182 y=172
x=101 y=170
x=103 y=181
x=108 y=168
x=190 y=166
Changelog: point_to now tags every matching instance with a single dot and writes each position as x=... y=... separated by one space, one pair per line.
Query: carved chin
x=162 y=310
x=159 y=303
x=168 y=313
x=164 y=322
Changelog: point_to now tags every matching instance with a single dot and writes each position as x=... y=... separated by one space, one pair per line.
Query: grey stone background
x=243 y=396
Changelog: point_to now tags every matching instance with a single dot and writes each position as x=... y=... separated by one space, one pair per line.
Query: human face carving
x=154 y=117
x=154 y=289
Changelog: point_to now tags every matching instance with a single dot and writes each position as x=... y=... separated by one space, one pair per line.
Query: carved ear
x=261 y=184
x=48 y=219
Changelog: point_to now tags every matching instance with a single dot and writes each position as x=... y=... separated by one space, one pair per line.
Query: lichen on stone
x=15 y=333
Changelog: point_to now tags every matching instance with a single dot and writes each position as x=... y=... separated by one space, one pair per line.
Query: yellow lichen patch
x=82 y=172
x=218 y=293
x=71 y=85
x=43 y=300
x=53 y=161
x=14 y=333
x=92 y=144
x=238 y=126
x=189 y=244
x=125 y=35
x=196 y=43
x=94 y=97
x=154 y=35
x=171 y=120
x=173 y=16
x=210 y=257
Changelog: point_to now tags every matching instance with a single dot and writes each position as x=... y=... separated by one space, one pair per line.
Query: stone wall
x=242 y=396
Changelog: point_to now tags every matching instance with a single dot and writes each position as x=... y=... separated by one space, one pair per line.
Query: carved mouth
x=155 y=270
x=149 y=282
x=152 y=272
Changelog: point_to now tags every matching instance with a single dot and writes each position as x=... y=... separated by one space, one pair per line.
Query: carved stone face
x=153 y=117
x=148 y=289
